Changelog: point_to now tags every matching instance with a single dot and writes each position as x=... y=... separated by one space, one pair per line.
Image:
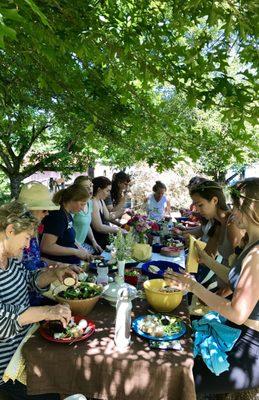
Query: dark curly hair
x=120 y=177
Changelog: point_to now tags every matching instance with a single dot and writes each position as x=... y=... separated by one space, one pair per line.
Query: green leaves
x=38 y=12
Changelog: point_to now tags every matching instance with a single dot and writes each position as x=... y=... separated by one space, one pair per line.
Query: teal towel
x=213 y=339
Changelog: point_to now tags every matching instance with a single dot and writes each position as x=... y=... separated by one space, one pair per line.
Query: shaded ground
x=246 y=395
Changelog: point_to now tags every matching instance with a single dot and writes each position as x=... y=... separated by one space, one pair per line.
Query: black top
x=60 y=224
x=234 y=275
x=101 y=237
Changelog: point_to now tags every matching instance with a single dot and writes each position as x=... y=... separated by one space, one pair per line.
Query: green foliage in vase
x=123 y=245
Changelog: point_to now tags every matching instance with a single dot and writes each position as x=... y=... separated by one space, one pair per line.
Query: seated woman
x=101 y=216
x=223 y=235
x=117 y=199
x=157 y=204
x=58 y=241
x=242 y=311
x=83 y=219
x=16 y=315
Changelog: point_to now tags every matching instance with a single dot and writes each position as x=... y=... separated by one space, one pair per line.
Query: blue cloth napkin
x=213 y=339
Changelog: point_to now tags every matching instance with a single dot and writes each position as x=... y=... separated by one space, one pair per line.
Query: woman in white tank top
x=157 y=204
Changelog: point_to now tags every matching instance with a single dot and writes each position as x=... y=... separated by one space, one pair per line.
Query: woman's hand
x=84 y=255
x=203 y=257
x=62 y=272
x=184 y=282
x=60 y=312
x=74 y=267
x=97 y=247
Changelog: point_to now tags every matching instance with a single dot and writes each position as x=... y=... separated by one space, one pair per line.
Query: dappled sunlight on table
x=96 y=369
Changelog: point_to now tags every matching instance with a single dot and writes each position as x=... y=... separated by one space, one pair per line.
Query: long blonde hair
x=16 y=214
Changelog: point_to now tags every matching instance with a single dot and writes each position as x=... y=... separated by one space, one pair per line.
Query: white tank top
x=156 y=209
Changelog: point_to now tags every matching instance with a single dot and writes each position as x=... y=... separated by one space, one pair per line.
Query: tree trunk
x=222 y=177
x=15 y=183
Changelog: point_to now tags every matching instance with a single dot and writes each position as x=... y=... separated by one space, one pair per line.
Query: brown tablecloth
x=95 y=369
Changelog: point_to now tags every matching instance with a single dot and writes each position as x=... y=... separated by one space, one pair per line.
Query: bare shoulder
x=251 y=261
x=96 y=204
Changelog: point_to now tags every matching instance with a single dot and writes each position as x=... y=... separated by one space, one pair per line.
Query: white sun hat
x=36 y=196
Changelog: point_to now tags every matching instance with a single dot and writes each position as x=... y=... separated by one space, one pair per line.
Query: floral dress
x=32 y=261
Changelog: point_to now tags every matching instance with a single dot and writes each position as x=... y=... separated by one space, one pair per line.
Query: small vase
x=121 y=268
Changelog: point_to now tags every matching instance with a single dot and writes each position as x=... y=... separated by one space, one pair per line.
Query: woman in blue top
x=83 y=219
x=58 y=241
x=242 y=311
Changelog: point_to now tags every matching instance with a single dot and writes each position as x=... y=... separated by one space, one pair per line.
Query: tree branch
x=43 y=165
x=4 y=169
x=35 y=135
x=5 y=158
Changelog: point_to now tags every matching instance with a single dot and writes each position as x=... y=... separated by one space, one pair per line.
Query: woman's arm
x=97 y=222
x=58 y=312
x=91 y=237
x=220 y=270
x=245 y=297
x=49 y=246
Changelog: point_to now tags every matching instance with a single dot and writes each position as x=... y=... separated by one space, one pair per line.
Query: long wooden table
x=96 y=369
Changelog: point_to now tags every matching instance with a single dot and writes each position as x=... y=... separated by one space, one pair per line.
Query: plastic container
x=102 y=274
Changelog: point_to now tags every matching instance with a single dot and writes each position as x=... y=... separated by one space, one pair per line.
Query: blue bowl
x=162 y=265
x=182 y=219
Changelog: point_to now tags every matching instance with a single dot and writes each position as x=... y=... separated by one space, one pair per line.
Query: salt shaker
x=102 y=274
x=123 y=319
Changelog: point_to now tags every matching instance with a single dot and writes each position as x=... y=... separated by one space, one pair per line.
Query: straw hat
x=36 y=196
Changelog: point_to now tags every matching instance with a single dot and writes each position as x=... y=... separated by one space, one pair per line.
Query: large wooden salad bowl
x=81 y=306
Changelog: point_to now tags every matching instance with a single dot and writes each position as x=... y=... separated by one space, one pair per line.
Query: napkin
x=15 y=370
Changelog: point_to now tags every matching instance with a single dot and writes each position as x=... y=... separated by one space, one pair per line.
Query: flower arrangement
x=142 y=226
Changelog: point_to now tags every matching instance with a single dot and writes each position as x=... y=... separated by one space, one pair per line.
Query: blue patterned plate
x=139 y=332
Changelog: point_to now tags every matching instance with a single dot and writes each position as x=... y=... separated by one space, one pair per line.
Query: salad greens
x=132 y=273
x=83 y=291
x=160 y=325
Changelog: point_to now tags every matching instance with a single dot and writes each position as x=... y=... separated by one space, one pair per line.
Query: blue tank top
x=234 y=275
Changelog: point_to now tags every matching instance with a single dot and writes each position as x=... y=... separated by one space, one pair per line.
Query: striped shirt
x=15 y=283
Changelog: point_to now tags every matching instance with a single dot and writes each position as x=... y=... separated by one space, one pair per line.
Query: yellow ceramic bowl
x=161 y=302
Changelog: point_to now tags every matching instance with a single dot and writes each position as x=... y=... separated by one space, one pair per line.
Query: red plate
x=44 y=331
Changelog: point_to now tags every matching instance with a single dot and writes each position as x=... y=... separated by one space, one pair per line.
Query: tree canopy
x=120 y=75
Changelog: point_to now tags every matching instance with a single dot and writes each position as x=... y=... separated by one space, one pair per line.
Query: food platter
x=159 y=271
x=179 y=331
x=46 y=334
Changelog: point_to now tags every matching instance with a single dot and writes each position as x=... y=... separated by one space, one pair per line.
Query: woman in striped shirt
x=16 y=315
